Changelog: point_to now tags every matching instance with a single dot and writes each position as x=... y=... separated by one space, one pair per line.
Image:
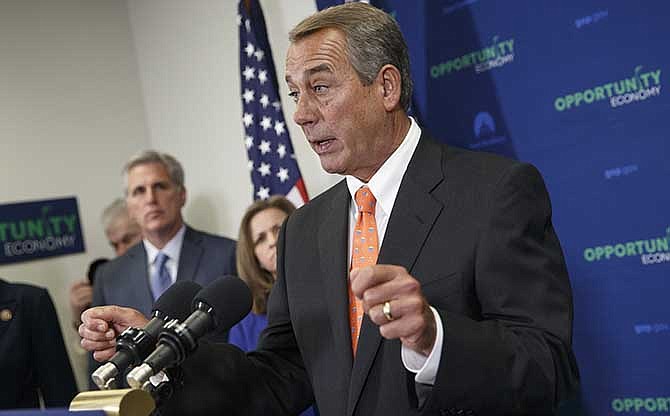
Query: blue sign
x=38 y=229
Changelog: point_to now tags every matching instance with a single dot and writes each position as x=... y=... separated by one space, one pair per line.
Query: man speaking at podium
x=429 y=281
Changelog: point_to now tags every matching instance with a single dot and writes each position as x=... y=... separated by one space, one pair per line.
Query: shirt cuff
x=424 y=367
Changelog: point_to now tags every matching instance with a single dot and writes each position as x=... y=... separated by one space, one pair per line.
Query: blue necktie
x=160 y=279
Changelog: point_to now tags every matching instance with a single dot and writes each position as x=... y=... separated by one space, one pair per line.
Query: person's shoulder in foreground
x=32 y=351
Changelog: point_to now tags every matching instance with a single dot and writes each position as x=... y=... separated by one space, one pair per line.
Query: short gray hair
x=113 y=212
x=172 y=165
x=373 y=39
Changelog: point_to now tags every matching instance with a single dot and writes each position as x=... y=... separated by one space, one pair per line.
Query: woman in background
x=257 y=266
x=257 y=263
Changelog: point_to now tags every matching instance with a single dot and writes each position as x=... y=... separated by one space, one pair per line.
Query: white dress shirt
x=384 y=185
x=172 y=249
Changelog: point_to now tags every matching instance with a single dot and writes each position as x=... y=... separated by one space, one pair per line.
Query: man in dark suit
x=170 y=250
x=468 y=309
x=122 y=233
x=155 y=195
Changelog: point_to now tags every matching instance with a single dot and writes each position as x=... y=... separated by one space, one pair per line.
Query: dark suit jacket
x=32 y=352
x=124 y=281
x=475 y=229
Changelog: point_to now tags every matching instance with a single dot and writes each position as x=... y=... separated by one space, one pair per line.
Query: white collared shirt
x=173 y=251
x=384 y=185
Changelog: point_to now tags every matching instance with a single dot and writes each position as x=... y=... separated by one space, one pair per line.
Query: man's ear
x=182 y=196
x=390 y=82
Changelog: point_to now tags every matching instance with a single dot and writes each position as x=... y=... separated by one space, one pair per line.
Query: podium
x=127 y=402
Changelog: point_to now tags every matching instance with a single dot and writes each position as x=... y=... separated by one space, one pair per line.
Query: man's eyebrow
x=318 y=68
x=312 y=71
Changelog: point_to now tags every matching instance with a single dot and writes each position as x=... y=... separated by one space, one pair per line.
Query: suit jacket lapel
x=413 y=216
x=138 y=279
x=189 y=258
x=333 y=239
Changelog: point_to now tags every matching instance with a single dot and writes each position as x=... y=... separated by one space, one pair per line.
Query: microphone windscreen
x=230 y=299
x=175 y=302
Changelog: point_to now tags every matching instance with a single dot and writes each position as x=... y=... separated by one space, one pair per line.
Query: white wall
x=86 y=84
x=188 y=61
x=70 y=114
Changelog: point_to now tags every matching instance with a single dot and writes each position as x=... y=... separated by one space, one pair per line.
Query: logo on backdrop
x=643 y=85
x=591 y=19
x=37 y=229
x=652 y=250
x=654 y=328
x=485 y=131
x=620 y=171
x=499 y=53
x=641 y=404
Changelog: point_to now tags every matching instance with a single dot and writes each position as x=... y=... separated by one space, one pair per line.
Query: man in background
x=170 y=249
x=122 y=233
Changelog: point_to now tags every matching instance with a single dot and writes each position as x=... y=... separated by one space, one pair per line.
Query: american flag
x=272 y=164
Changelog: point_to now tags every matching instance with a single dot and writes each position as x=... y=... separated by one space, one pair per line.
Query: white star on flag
x=282 y=174
x=277 y=105
x=265 y=100
x=279 y=128
x=250 y=48
x=262 y=76
x=249 y=73
x=248 y=119
x=264 y=147
x=259 y=54
x=281 y=150
x=248 y=96
x=264 y=170
x=248 y=142
x=263 y=193
x=250 y=165
x=266 y=123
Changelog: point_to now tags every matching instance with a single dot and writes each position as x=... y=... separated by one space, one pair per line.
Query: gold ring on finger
x=386 y=309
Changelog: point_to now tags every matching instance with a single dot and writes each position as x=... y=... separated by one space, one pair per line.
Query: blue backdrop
x=576 y=88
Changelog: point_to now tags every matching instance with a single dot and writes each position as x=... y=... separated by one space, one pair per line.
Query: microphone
x=220 y=305
x=134 y=344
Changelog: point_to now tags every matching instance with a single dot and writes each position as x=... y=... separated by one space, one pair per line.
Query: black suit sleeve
x=517 y=359
x=221 y=379
x=52 y=365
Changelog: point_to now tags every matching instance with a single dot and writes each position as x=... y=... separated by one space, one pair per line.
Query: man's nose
x=304 y=114
x=151 y=194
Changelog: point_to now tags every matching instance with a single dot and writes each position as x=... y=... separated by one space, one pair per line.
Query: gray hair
x=373 y=39
x=172 y=165
x=113 y=212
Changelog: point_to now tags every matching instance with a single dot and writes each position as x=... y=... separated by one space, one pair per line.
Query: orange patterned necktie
x=364 y=251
